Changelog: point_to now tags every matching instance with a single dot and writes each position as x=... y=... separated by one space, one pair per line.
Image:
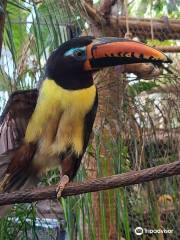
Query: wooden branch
x=162 y=28
x=142 y=70
x=170 y=49
x=90 y=2
x=104 y=183
x=105 y=8
x=142 y=29
x=93 y=13
x=155 y=20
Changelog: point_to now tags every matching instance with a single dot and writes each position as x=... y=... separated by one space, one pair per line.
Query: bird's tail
x=4 y=162
x=16 y=171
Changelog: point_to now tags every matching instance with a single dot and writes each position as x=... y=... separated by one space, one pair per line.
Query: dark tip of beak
x=169 y=60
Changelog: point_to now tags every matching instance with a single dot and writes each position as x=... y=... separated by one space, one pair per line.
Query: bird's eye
x=78 y=53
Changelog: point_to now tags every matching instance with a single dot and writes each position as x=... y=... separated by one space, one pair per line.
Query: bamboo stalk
x=104 y=183
x=2 y=21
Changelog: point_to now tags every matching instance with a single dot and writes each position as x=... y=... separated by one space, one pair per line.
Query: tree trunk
x=110 y=84
x=110 y=88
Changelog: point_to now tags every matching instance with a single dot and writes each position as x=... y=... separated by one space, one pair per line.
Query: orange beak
x=105 y=52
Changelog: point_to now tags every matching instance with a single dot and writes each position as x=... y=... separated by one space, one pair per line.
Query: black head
x=66 y=64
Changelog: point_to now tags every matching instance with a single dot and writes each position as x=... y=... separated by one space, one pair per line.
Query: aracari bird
x=51 y=126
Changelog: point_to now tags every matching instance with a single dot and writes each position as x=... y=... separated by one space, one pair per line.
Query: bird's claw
x=63 y=182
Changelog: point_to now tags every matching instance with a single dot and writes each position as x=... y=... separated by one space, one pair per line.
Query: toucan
x=51 y=126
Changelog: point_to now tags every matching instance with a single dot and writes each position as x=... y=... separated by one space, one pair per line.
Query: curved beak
x=106 y=52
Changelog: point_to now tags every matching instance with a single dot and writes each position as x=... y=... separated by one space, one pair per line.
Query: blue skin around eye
x=73 y=50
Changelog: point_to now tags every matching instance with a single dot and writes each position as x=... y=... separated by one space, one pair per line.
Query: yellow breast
x=59 y=117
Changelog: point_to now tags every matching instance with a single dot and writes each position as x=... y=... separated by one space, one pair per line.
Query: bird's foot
x=63 y=182
x=4 y=182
